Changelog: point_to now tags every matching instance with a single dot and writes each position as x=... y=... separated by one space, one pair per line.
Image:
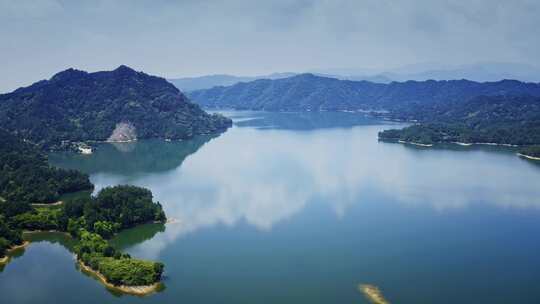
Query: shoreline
x=5 y=260
x=45 y=231
x=142 y=290
x=488 y=144
x=373 y=294
x=414 y=143
x=452 y=142
x=47 y=205
x=527 y=156
x=23 y=245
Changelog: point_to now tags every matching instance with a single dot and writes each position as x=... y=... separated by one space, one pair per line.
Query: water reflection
x=265 y=177
x=317 y=210
x=300 y=121
x=122 y=241
x=133 y=157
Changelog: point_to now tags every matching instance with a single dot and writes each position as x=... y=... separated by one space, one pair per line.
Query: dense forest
x=506 y=119
x=26 y=177
x=118 y=268
x=92 y=220
x=308 y=92
x=76 y=106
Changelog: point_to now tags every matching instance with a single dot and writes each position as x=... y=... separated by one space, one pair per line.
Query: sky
x=250 y=37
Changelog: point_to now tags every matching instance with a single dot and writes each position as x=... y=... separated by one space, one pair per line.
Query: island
x=30 y=188
x=372 y=293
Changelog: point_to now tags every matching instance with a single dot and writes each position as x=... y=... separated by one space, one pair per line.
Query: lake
x=304 y=207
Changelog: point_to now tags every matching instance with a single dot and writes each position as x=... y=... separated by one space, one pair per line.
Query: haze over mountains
x=188 y=84
x=480 y=72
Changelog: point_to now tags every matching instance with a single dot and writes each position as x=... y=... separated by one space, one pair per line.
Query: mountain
x=121 y=104
x=506 y=119
x=487 y=71
x=481 y=72
x=308 y=92
x=188 y=84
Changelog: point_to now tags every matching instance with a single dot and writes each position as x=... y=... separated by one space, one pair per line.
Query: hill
x=307 y=92
x=513 y=120
x=122 y=104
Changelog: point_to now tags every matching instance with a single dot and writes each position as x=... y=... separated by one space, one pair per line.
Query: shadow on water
x=123 y=240
x=37 y=237
x=131 y=237
x=301 y=120
x=147 y=156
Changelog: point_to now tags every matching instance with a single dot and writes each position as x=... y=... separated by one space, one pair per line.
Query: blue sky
x=248 y=37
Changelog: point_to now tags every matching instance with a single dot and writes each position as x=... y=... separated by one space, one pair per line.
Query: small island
x=372 y=293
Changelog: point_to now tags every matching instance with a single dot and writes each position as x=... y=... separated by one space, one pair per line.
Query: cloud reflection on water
x=264 y=177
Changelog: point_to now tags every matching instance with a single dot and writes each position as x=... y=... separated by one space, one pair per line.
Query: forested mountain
x=307 y=92
x=485 y=119
x=79 y=106
x=26 y=177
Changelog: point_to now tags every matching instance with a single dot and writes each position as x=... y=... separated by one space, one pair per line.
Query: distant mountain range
x=188 y=84
x=308 y=92
x=480 y=72
x=78 y=106
x=501 y=112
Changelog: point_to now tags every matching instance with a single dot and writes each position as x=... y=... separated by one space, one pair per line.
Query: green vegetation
x=113 y=209
x=513 y=120
x=9 y=237
x=308 y=92
x=502 y=112
x=26 y=177
x=88 y=219
x=42 y=218
x=532 y=151
x=91 y=220
x=76 y=106
x=117 y=268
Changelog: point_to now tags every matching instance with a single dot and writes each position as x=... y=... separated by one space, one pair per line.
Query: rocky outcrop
x=124 y=132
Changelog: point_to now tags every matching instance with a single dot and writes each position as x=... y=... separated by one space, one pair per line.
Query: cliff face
x=124 y=132
x=120 y=104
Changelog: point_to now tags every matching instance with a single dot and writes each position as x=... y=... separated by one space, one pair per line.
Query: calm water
x=301 y=208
